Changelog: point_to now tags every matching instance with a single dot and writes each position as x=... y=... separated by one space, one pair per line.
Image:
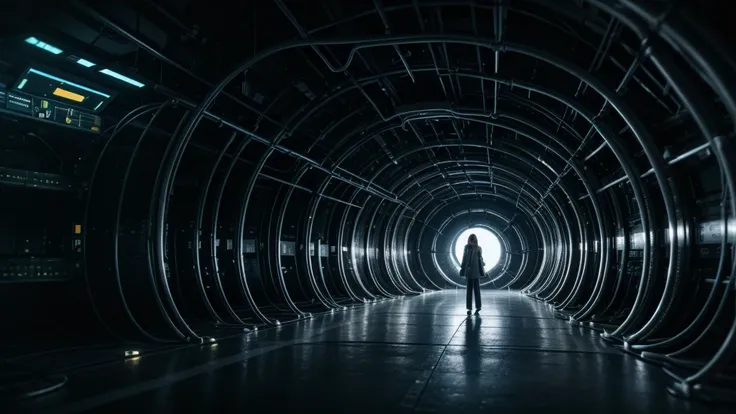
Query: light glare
x=486 y=240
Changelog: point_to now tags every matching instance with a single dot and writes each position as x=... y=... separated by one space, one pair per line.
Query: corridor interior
x=418 y=354
x=262 y=206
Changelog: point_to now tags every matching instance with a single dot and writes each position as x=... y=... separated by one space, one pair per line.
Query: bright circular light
x=486 y=240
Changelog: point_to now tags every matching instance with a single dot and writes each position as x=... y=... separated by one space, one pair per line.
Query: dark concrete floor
x=415 y=354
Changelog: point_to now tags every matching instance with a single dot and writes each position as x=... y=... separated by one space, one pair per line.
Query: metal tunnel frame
x=212 y=259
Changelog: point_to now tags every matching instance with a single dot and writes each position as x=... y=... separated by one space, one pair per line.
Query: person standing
x=472 y=269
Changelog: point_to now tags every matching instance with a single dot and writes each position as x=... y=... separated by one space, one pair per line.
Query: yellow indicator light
x=68 y=95
x=77 y=229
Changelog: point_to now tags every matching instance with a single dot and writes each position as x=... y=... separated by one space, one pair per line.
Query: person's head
x=473 y=240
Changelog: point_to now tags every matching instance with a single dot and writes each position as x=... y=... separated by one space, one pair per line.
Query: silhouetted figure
x=472 y=269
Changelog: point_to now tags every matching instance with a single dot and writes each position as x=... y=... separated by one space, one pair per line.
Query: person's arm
x=464 y=263
x=480 y=256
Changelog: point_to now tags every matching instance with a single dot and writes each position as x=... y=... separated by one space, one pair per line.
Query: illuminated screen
x=486 y=240
x=45 y=83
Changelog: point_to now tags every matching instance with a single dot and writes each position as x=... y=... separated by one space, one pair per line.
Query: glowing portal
x=488 y=242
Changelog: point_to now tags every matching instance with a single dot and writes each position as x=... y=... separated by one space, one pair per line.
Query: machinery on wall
x=337 y=162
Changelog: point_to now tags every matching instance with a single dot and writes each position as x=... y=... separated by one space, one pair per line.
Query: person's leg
x=477 y=293
x=469 y=295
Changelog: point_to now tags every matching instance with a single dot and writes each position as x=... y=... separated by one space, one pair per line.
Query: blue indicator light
x=125 y=79
x=52 y=77
x=86 y=63
x=22 y=83
x=43 y=45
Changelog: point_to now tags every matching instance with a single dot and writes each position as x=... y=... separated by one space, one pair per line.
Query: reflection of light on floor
x=133 y=361
x=486 y=240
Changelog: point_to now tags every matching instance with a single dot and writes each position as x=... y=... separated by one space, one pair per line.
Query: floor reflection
x=512 y=357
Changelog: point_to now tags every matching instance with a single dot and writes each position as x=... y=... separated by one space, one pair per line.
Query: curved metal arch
x=670 y=217
x=340 y=260
x=214 y=262
x=297 y=44
x=699 y=109
x=351 y=201
x=198 y=227
x=524 y=133
x=528 y=163
x=568 y=101
x=381 y=289
x=524 y=208
x=309 y=226
x=532 y=217
x=441 y=186
x=486 y=212
x=364 y=43
x=603 y=268
x=625 y=112
x=124 y=122
x=663 y=314
x=506 y=261
x=392 y=225
x=355 y=270
x=630 y=172
x=116 y=228
x=482 y=226
x=393 y=243
x=369 y=263
x=312 y=211
x=524 y=247
x=510 y=187
x=279 y=229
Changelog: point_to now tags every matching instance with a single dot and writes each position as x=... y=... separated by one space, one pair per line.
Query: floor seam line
x=413 y=396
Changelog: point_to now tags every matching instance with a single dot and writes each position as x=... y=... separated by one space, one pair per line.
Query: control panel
x=33 y=269
x=51 y=111
x=52 y=85
x=288 y=248
x=33 y=179
x=249 y=246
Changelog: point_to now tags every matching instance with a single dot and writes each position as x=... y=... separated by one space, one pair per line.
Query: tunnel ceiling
x=438 y=94
x=432 y=97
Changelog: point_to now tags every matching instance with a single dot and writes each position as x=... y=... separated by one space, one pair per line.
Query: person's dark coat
x=472 y=264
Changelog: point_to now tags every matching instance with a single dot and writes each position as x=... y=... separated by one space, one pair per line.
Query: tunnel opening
x=487 y=240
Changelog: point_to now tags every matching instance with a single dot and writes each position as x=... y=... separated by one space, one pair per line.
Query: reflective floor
x=415 y=354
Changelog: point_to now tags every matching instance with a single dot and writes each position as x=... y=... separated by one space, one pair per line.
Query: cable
x=28 y=383
x=46 y=144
